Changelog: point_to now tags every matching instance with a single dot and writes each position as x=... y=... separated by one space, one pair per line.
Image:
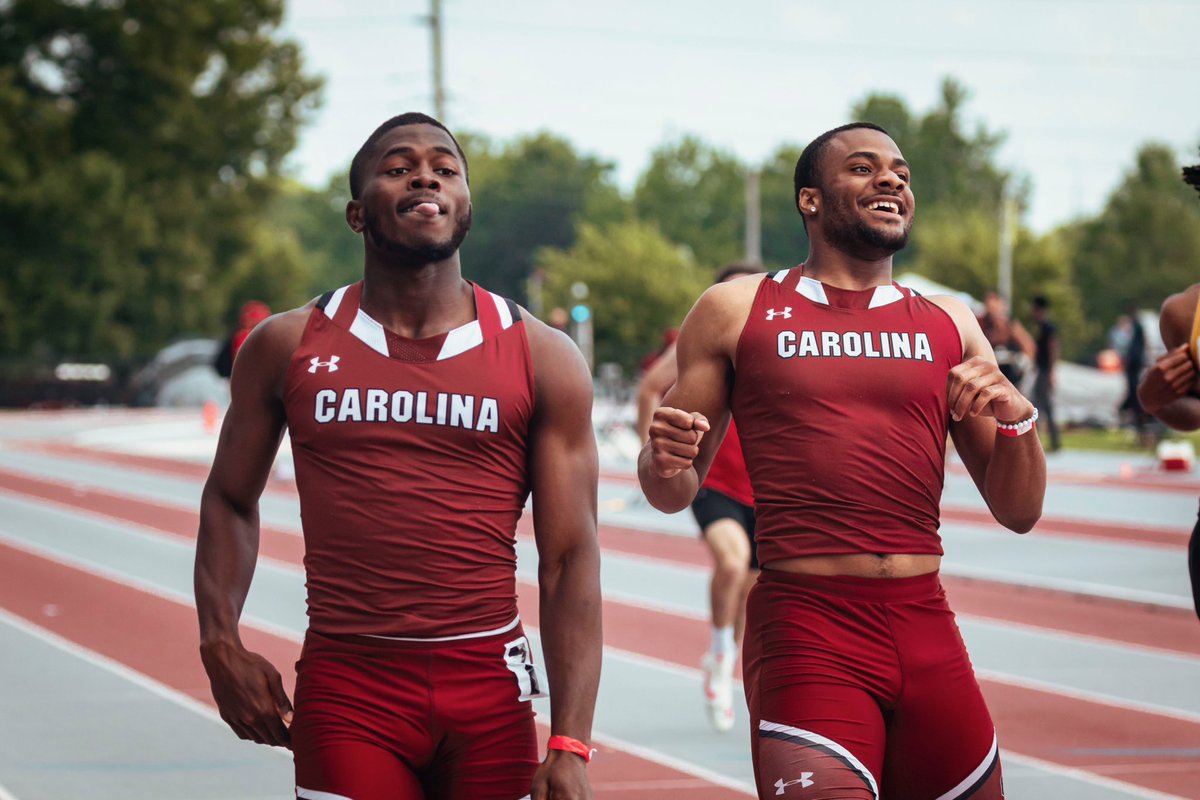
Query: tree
x=784 y=242
x=144 y=141
x=529 y=194
x=316 y=220
x=639 y=283
x=1145 y=244
x=696 y=195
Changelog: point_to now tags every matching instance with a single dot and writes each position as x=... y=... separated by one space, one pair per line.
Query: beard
x=424 y=253
x=852 y=234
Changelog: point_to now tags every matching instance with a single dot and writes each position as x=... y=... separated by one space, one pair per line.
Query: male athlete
x=843 y=386
x=422 y=410
x=724 y=510
x=1170 y=389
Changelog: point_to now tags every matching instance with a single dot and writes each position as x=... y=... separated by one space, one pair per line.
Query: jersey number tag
x=531 y=681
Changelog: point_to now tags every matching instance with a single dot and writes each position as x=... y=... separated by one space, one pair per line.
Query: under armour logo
x=803 y=780
x=786 y=313
x=316 y=362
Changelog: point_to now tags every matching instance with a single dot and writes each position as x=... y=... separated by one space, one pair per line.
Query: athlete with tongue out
x=422 y=410
x=844 y=386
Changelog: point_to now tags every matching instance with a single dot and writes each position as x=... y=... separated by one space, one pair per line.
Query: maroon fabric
x=412 y=477
x=842 y=413
x=728 y=473
x=876 y=666
x=379 y=720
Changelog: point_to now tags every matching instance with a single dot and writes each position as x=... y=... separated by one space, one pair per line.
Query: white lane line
x=1087 y=588
x=1087 y=777
x=118 y=669
x=1099 y=698
x=687 y=767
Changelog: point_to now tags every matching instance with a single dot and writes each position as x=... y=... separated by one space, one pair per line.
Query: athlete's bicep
x=254 y=421
x=563 y=462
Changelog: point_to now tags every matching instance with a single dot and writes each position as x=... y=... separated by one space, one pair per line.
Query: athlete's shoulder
x=730 y=300
x=560 y=372
x=1178 y=314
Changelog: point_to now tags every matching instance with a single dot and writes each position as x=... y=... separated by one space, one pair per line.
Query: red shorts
x=863 y=683
x=377 y=718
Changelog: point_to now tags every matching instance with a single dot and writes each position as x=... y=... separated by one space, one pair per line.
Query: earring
x=812 y=208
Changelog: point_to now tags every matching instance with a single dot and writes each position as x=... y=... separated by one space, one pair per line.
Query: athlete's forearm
x=1181 y=414
x=1015 y=484
x=572 y=637
x=226 y=551
x=666 y=494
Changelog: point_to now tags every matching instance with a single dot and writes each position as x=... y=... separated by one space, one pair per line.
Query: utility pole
x=1008 y=229
x=439 y=89
x=753 y=217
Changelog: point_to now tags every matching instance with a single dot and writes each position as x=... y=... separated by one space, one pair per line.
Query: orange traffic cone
x=210 y=414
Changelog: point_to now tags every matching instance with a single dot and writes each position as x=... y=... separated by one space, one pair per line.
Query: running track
x=1080 y=631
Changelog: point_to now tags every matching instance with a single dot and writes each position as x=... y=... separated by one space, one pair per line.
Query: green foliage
x=697 y=196
x=639 y=282
x=316 y=220
x=1144 y=245
x=784 y=242
x=141 y=141
x=528 y=194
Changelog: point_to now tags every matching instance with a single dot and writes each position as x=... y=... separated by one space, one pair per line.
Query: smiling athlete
x=843 y=386
x=422 y=410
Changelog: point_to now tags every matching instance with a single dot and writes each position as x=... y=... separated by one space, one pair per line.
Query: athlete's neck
x=420 y=302
x=842 y=270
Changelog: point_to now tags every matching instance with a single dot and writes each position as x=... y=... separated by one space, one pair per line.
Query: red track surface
x=81 y=607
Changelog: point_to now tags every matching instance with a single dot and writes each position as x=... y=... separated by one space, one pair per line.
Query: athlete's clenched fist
x=976 y=387
x=675 y=440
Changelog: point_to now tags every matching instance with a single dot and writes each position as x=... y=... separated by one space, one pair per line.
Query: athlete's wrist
x=569 y=744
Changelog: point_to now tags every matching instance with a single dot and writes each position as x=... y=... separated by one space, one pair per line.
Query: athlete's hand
x=1173 y=374
x=977 y=388
x=249 y=694
x=675 y=440
x=562 y=776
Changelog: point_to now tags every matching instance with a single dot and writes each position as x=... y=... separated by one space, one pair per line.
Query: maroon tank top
x=840 y=401
x=411 y=466
x=727 y=474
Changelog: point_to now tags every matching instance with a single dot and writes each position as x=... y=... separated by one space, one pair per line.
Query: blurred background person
x=1133 y=361
x=1013 y=345
x=252 y=313
x=1045 y=358
x=724 y=510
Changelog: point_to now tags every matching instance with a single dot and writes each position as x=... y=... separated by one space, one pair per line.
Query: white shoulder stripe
x=369 y=332
x=335 y=302
x=817 y=738
x=313 y=794
x=884 y=295
x=506 y=318
x=813 y=289
x=461 y=339
x=780 y=275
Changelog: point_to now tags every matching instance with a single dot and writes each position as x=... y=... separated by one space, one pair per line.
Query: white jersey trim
x=506 y=318
x=478 y=635
x=817 y=738
x=779 y=276
x=369 y=332
x=885 y=295
x=813 y=289
x=335 y=302
x=978 y=772
x=461 y=339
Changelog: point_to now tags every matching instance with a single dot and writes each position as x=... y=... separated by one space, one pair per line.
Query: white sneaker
x=718 y=690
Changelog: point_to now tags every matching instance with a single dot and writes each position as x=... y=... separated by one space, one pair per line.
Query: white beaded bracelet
x=1017 y=428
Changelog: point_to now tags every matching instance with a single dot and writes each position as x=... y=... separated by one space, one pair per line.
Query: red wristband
x=571 y=746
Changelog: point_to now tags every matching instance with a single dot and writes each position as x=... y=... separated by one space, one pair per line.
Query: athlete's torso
x=840 y=401
x=411 y=473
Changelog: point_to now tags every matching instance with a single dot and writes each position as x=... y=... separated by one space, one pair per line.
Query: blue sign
x=581 y=313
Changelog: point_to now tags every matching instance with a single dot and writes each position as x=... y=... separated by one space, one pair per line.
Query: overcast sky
x=1077 y=85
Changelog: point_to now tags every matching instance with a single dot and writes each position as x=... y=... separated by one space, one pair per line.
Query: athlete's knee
x=802 y=765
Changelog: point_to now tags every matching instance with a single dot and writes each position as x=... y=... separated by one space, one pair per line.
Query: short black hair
x=359 y=164
x=729 y=270
x=1191 y=176
x=807 y=174
x=1040 y=302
